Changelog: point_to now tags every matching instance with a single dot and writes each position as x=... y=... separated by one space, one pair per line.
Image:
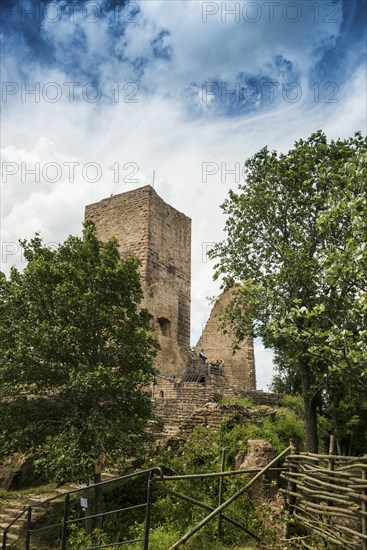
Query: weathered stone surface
x=178 y=404
x=182 y=412
x=239 y=368
x=22 y=477
x=238 y=459
x=160 y=236
x=259 y=454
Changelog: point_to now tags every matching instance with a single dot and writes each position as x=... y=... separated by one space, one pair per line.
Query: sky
x=96 y=95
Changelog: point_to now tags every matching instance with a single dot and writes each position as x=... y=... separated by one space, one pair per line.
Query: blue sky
x=97 y=94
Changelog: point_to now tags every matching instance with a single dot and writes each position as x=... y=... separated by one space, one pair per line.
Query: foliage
x=295 y=403
x=78 y=538
x=76 y=355
x=277 y=428
x=201 y=452
x=242 y=401
x=197 y=452
x=296 y=255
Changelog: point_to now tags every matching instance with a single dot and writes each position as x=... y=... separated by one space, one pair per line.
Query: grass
x=242 y=401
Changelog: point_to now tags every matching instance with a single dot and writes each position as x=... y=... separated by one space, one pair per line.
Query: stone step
x=64 y=490
x=40 y=498
x=4 y=524
x=14 y=529
x=5 y=520
x=14 y=504
x=12 y=536
x=10 y=514
x=13 y=511
x=36 y=507
x=109 y=475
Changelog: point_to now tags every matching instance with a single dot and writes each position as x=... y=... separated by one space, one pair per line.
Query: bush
x=79 y=539
x=199 y=452
x=242 y=401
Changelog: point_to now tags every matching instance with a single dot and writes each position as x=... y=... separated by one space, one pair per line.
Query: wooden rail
x=327 y=495
x=216 y=512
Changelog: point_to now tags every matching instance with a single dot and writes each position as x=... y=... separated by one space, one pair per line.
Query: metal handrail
x=14 y=520
x=229 y=501
x=66 y=497
x=100 y=483
x=8 y=527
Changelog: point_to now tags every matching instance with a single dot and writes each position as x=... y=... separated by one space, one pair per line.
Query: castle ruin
x=160 y=236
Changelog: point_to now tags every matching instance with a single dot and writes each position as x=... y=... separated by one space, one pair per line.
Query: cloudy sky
x=97 y=94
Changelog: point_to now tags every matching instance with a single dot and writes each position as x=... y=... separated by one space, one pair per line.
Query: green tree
x=76 y=355
x=343 y=225
x=344 y=270
x=296 y=250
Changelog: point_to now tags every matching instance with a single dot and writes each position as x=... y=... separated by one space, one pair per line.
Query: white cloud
x=157 y=133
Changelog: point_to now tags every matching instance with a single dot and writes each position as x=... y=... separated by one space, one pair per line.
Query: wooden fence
x=324 y=494
x=327 y=495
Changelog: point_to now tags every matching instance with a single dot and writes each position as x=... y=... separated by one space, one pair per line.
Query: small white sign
x=84 y=503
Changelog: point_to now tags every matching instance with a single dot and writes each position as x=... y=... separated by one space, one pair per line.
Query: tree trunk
x=310 y=403
x=312 y=442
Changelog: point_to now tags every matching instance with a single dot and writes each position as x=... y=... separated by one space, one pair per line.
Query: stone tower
x=160 y=236
x=239 y=368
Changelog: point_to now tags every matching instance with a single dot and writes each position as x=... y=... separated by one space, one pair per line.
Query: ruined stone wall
x=239 y=368
x=192 y=392
x=161 y=238
x=182 y=415
x=182 y=406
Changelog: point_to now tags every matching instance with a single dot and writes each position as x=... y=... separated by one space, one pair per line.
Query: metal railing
x=67 y=521
x=218 y=511
x=326 y=490
x=4 y=545
x=154 y=482
x=199 y=372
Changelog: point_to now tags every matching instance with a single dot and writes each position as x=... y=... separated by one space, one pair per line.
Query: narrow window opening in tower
x=165 y=325
x=161 y=394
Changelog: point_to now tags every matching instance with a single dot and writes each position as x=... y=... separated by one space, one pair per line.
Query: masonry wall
x=239 y=368
x=182 y=406
x=169 y=266
x=160 y=236
x=195 y=393
x=125 y=217
x=182 y=416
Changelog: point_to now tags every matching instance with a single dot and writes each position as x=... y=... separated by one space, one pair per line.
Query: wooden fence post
x=331 y=466
x=227 y=502
x=364 y=509
x=220 y=495
x=294 y=444
x=332 y=452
